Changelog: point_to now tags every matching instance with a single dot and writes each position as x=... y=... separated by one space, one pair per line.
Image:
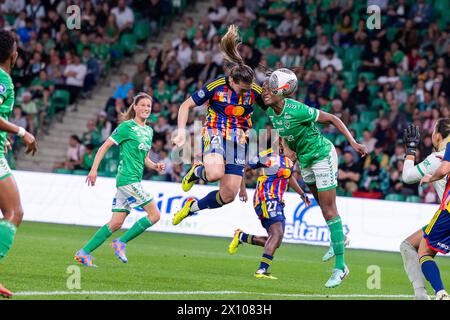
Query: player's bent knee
x=18 y=217
x=214 y=176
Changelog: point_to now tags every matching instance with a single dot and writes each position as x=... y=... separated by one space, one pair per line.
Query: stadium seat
x=415 y=199
x=339 y=140
x=395 y=197
x=373 y=90
x=60 y=99
x=62 y=170
x=128 y=42
x=407 y=82
x=141 y=30
x=368 y=116
x=80 y=172
x=157 y=177
x=369 y=76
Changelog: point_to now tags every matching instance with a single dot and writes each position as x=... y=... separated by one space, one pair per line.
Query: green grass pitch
x=172 y=266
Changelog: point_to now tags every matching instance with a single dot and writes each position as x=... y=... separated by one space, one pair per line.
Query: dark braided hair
x=6 y=45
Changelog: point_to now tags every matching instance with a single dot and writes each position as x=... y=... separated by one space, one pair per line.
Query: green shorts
x=5 y=170
x=324 y=173
x=130 y=196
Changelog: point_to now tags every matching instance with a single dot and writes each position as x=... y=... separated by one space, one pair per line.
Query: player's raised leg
x=241 y=237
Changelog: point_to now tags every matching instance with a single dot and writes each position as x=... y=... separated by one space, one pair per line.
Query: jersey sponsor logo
x=2 y=88
x=443 y=246
x=201 y=94
x=239 y=161
x=287 y=124
x=308 y=225
x=143 y=146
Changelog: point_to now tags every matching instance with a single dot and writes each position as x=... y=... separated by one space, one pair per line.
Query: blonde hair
x=229 y=45
x=131 y=113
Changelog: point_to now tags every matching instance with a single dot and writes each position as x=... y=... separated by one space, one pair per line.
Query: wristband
x=21 y=132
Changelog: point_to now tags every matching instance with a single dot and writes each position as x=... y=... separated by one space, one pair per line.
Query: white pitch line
x=124 y=293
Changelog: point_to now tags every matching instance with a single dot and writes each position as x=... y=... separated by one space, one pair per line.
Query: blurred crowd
x=377 y=81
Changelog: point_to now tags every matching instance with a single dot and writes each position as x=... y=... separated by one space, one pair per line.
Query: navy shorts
x=234 y=153
x=437 y=233
x=269 y=212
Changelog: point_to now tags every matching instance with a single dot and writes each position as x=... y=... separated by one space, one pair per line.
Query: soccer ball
x=282 y=82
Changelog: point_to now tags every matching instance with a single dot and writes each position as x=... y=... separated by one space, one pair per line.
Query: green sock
x=337 y=239
x=7 y=233
x=140 y=226
x=97 y=239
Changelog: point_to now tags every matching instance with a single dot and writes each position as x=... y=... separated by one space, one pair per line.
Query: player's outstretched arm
x=154 y=166
x=28 y=138
x=327 y=118
x=92 y=176
x=183 y=115
x=294 y=185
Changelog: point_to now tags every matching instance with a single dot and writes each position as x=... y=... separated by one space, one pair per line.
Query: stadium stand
x=376 y=81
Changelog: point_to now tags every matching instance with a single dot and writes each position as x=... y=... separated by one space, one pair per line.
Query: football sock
x=266 y=261
x=199 y=173
x=337 y=239
x=413 y=268
x=140 y=226
x=97 y=239
x=431 y=272
x=211 y=201
x=7 y=233
x=246 y=238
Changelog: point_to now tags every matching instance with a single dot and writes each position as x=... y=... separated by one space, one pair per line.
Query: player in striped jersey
x=436 y=237
x=412 y=174
x=10 y=205
x=230 y=102
x=276 y=176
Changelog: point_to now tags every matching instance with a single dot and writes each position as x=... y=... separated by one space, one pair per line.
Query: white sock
x=413 y=268
x=194 y=207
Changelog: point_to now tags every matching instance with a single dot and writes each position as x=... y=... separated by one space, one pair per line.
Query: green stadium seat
x=339 y=140
x=368 y=116
x=395 y=197
x=373 y=90
x=391 y=33
x=415 y=199
x=128 y=42
x=60 y=99
x=369 y=76
x=81 y=172
x=141 y=30
x=358 y=127
x=62 y=170
x=157 y=177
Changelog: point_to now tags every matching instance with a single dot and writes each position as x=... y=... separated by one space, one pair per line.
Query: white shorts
x=324 y=173
x=130 y=196
x=5 y=170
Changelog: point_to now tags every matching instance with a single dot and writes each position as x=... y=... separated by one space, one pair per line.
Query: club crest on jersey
x=2 y=88
x=287 y=124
